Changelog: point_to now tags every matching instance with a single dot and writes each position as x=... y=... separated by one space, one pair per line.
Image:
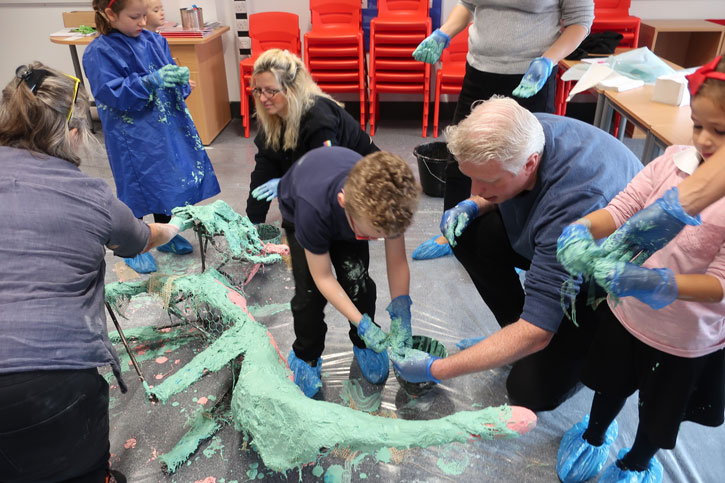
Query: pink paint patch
x=161 y=360
x=140 y=352
x=177 y=361
x=167 y=329
x=158 y=376
x=237 y=299
x=203 y=400
x=208 y=479
x=130 y=443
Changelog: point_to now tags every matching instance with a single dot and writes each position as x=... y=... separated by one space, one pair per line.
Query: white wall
x=25 y=26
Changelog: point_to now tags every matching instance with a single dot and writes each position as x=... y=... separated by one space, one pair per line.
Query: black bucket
x=432 y=158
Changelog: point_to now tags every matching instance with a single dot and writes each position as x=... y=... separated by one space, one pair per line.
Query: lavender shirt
x=56 y=223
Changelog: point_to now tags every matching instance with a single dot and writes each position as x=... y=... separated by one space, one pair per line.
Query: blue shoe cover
x=178 y=245
x=577 y=460
x=375 y=366
x=307 y=378
x=466 y=343
x=431 y=249
x=613 y=474
x=142 y=263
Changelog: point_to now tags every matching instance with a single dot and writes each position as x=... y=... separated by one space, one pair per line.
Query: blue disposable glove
x=415 y=366
x=432 y=46
x=266 y=191
x=535 y=77
x=168 y=76
x=372 y=335
x=575 y=247
x=650 y=229
x=654 y=286
x=399 y=307
x=471 y=341
x=455 y=220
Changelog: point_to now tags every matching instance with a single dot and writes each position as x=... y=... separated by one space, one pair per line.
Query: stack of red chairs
x=334 y=53
x=449 y=78
x=612 y=15
x=394 y=34
x=267 y=30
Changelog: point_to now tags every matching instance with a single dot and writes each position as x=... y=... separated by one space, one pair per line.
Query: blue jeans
x=53 y=427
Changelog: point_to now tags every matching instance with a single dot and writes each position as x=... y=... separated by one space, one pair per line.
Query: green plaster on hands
x=456 y=229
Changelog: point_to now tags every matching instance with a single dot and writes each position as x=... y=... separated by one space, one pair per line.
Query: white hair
x=498 y=129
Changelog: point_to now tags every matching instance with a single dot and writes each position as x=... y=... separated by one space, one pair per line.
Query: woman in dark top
x=294 y=117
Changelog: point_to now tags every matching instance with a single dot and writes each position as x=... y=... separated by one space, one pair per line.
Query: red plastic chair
x=334 y=53
x=610 y=15
x=449 y=78
x=267 y=30
x=397 y=30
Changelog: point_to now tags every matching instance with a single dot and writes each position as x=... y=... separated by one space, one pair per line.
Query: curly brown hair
x=381 y=188
x=714 y=89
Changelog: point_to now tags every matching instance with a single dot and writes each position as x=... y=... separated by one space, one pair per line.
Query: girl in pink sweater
x=665 y=335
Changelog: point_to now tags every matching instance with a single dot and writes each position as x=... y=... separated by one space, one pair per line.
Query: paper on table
x=593 y=76
x=619 y=83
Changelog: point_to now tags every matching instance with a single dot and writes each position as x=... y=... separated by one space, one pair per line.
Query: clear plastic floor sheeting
x=445 y=307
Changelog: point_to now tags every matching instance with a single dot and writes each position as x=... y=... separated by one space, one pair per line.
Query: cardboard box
x=672 y=89
x=78 y=18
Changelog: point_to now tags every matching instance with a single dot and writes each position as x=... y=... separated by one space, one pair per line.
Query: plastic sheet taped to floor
x=445 y=307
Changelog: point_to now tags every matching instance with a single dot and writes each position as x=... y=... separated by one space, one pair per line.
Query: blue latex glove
x=431 y=249
x=372 y=335
x=168 y=76
x=650 y=229
x=415 y=366
x=654 y=286
x=535 y=77
x=471 y=341
x=431 y=48
x=455 y=220
x=399 y=307
x=266 y=191
x=575 y=247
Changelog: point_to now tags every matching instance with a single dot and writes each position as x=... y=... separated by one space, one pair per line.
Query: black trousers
x=351 y=261
x=477 y=86
x=545 y=379
x=54 y=427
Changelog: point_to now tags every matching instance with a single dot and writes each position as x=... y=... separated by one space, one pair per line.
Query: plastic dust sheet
x=445 y=307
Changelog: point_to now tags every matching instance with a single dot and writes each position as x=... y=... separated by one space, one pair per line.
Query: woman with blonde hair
x=294 y=117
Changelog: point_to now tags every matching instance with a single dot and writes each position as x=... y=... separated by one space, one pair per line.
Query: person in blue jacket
x=157 y=158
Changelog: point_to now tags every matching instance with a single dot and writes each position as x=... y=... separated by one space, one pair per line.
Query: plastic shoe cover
x=577 y=460
x=431 y=249
x=308 y=378
x=178 y=245
x=613 y=474
x=142 y=263
x=375 y=366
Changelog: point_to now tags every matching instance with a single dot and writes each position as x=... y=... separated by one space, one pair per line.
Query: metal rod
x=202 y=250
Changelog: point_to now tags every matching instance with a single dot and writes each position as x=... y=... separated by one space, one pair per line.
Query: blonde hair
x=714 y=89
x=39 y=121
x=381 y=188
x=103 y=25
x=497 y=129
x=298 y=88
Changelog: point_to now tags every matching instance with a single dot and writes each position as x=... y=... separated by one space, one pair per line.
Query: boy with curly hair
x=332 y=202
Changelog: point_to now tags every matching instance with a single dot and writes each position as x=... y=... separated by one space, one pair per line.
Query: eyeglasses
x=268 y=93
x=75 y=95
x=33 y=78
x=355 y=231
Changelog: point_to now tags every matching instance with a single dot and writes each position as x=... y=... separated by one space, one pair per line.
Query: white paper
x=593 y=76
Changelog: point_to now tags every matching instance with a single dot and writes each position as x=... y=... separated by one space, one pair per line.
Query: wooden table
x=688 y=43
x=663 y=124
x=208 y=103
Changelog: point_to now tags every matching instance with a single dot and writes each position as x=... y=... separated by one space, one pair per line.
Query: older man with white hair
x=532 y=175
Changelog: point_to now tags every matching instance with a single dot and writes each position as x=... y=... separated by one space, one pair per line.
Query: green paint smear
x=219 y=218
x=384 y=455
x=252 y=471
x=318 y=471
x=214 y=446
x=354 y=396
x=452 y=231
x=202 y=427
x=271 y=410
x=453 y=461
x=266 y=310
